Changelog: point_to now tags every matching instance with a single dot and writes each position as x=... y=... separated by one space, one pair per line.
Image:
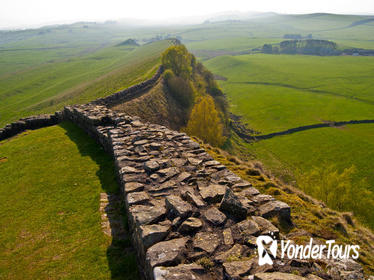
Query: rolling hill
x=45 y=69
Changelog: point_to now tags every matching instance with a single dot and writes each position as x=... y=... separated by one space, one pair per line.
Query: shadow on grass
x=120 y=255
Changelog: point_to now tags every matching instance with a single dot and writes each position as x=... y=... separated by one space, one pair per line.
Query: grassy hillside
x=156 y=106
x=50 y=205
x=50 y=217
x=21 y=49
x=345 y=146
x=80 y=34
x=232 y=37
x=321 y=25
x=278 y=92
x=309 y=217
x=49 y=86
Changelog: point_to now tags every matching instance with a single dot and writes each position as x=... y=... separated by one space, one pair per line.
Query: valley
x=277 y=92
x=324 y=174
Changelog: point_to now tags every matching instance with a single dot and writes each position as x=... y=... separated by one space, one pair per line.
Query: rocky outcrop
x=190 y=217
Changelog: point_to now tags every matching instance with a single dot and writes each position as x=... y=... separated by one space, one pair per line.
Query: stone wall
x=33 y=122
x=40 y=121
x=131 y=92
x=296 y=129
x=190 y=217
x=182 y=205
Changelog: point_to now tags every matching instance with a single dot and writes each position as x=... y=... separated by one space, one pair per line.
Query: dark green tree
x=179 y=60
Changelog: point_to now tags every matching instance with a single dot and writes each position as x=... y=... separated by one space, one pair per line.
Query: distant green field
x=41 y=70
x=343 y=146
x=222 y=46
x=278 y=92
x=15 y=60
x=49 y=86
x=231 y=44
x=49 y=214
x=344 y=29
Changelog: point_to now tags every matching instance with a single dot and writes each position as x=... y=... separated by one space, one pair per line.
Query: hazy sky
x=14 y=13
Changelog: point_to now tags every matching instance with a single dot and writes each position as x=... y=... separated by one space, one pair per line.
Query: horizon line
x=199 y=19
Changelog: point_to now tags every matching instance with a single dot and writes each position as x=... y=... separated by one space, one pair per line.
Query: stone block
x=166 y=252
x=232 y=205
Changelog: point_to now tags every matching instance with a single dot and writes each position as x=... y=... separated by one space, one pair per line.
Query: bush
x=188 y=79
x=181 y=90
x=338 y=192
x=205 y=123
x=178 y=60
x=267 y=48
x=213 y=89
x=168 y=74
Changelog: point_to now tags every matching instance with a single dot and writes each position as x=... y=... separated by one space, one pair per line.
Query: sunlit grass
x=50 y=185
x=48 y=87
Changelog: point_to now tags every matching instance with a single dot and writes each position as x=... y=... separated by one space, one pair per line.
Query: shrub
x=213 y=89
x=267 y=48
x=188 y=80
x=206 y=263
x=168 y=74
x=179 y=60
x=338 y=192
x=205 y=123
x=181 y=90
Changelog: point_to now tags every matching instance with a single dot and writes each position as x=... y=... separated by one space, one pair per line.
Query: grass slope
x=232 y=37
x=156 y=106
x=278 y=92
x=50 y=182
x=345 y=146
x=326 y=26
x=49 y=86
x=307 y=214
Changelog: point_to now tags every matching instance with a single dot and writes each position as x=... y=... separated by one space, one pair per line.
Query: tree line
x=195 y=89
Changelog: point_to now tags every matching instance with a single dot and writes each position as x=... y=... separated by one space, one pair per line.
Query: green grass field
x=278 y=92
x=50 y=219
x=48 y=87
x=50 y=216
x=343 y=146
x=51 y=180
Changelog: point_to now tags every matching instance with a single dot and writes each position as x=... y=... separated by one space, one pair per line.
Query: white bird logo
x=264 y=250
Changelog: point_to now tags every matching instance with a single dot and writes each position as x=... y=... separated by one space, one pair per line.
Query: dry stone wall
x=33 y=122
x=190 y=217
x=243 y=134
x=39 y=121
x=131 y=92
